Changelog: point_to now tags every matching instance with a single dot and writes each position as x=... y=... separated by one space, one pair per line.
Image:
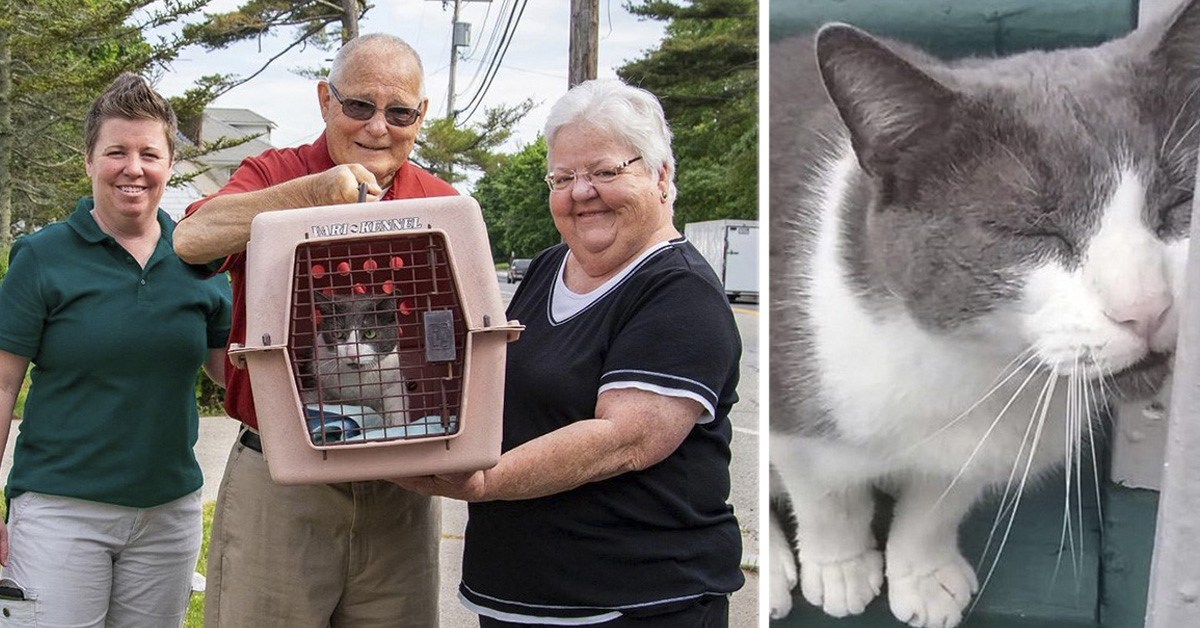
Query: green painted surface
x=954 y=28
x=1129 y=522
x=1031 y=586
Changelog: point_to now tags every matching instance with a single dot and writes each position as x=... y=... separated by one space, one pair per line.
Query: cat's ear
x=886 y=103
x=385 y=305
x=1179 y=49
x=324 y=304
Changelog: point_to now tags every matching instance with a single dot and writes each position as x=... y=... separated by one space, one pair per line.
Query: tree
x=516 y=204
x=448 y=151
x=325 y=24
x=705 y=73
x=55 y=57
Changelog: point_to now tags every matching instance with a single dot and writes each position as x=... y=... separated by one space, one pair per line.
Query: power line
x=490 y=48
x=477 y=99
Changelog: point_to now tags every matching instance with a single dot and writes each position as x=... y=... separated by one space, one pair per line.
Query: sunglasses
x=362 y=110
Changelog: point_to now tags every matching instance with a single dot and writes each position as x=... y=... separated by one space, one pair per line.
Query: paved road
x=217 y=435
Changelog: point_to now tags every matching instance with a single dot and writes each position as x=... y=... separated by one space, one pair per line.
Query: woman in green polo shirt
x=104 y=521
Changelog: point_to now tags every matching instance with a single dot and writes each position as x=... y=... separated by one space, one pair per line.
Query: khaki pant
x=359 y=554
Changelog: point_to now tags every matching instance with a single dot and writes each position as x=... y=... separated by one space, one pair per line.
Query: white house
x=217 y=123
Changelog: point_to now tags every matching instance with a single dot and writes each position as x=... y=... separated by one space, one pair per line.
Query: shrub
x=209 y=396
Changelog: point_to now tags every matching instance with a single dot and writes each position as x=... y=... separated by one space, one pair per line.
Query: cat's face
x=1038 y=202
x=357 y=330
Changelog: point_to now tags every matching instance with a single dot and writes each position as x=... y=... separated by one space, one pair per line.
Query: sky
x=535 y=65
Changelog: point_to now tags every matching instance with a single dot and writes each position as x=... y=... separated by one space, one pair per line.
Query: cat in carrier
x=357 y=355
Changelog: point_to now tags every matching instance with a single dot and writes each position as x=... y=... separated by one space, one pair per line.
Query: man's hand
x=469 y=487
x=339 y=185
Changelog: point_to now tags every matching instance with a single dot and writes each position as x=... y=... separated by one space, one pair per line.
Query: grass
x=195 y=611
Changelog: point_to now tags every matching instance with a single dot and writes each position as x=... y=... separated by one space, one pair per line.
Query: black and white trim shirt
x=642 y=542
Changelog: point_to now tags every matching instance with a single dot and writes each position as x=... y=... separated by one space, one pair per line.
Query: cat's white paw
x=931 y=596
x=783 y=571
x=843 y=587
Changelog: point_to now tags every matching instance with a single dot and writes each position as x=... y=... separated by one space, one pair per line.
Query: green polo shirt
x=111 y=411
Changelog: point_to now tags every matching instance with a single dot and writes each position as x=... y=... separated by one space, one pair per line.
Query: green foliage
x=209 y=396
x=705 y=72
x=319 y=23
x=449 y=151
x=59 y=55
x=516 y=204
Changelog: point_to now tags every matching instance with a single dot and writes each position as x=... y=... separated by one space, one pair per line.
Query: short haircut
x=129 y=97
x=628 y=114
x=376 y=42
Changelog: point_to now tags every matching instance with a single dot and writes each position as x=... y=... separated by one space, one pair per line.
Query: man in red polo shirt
x=356 y=554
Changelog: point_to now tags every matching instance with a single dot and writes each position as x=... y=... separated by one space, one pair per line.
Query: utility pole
x=585 y=26
x=460 y=38
x=453 y=61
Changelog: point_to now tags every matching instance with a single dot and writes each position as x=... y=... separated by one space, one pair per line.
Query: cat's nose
x=1143 y=316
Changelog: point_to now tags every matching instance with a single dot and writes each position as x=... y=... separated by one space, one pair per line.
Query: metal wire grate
x=377 y=339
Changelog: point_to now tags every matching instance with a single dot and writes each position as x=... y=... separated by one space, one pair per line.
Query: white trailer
x=731 y=247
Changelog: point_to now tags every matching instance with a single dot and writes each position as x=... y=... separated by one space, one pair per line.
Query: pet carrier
x=375 y=340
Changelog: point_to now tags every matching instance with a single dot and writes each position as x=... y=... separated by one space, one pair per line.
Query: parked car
x=516 y=270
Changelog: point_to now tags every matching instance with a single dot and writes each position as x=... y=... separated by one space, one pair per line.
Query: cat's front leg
x=841 y=570
x=929 y=581
x=395 y=408
x=784 y=573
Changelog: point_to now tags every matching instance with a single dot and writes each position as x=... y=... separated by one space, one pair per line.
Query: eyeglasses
x=362 y=110
x=565 y=179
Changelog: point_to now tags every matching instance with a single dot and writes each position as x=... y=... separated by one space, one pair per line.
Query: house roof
x=215 y=128
x=237 y=116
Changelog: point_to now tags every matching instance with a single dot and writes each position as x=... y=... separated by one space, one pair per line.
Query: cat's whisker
x=1075 y=434
x=978 y=446
x=1005 y=505
x=1002 y=380
x=1175 y=120
x=1042 y=410
x=1066 y=536
x=1032 y=181
x=1093 y=415
x=1183 y=138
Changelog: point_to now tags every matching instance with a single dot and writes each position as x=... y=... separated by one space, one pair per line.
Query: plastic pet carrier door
x=375 y=340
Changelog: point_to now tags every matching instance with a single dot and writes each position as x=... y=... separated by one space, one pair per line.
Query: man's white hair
x=376 y=42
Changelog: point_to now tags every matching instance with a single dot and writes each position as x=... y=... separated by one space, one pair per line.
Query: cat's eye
x=1176 y=219
x=1040 y=235
x=340 y=335
x=370 y=334
x=1053 y=238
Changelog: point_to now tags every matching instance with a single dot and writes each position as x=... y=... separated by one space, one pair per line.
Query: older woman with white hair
x=609 y=504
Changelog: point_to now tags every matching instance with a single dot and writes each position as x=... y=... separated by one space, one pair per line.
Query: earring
x=664 y=195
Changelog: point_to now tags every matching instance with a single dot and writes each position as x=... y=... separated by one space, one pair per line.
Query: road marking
x=743 y=311
x=745 y=430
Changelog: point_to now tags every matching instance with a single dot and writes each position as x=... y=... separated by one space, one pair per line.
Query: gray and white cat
x=967 y=259
x=357 y=355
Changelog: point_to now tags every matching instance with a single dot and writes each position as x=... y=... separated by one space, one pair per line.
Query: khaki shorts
x=359 y=554
x=84 y=563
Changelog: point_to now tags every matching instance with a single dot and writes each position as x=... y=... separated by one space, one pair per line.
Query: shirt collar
x=84 y=223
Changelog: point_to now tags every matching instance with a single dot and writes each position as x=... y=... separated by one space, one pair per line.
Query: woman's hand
x=3 y=545
x=470 y=486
